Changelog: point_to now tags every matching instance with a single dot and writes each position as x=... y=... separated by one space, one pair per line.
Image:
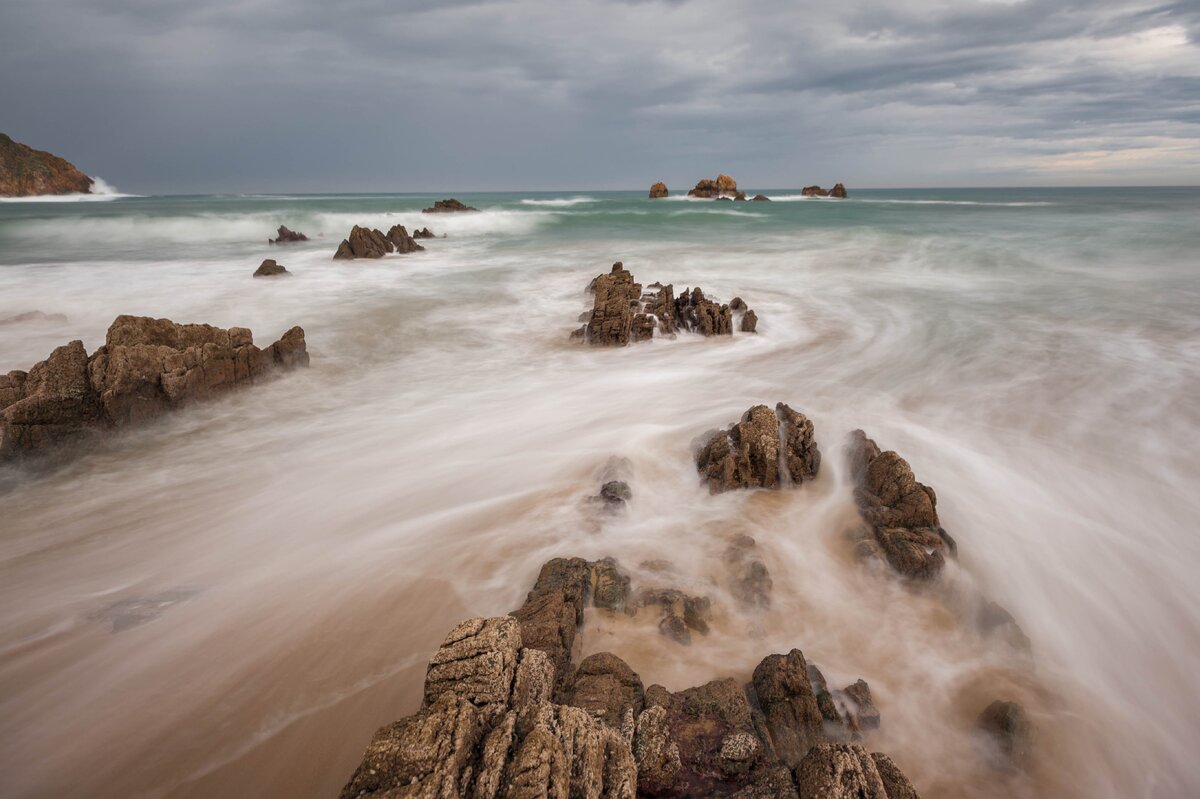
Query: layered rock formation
x=285 y=236
x=622 y=314
x=766 y=449
x=506 y=714
x=448 y=206
x=372 y=243
x=403 y=242
x=723 y=186
x=26 y=172
x=269 y=268
x=423 y=233
x=658 y=190
x=145 y=368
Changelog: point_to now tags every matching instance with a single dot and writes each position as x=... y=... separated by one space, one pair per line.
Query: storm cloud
x=368 y=95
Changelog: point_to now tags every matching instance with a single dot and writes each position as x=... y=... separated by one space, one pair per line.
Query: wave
x=102 y=191
x=560 y=202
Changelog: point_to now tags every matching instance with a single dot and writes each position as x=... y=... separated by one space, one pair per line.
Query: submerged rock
x=448 y=206
x=748 y=455
x=1007 y=727
x=285 y=236
x=682 y=614
x=616 y=492
x=269 y=268
x=26 y=172
x=658 y=190
x=145 y=368
x=363 y=243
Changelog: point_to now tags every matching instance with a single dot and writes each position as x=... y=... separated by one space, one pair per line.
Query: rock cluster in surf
x=145 y=368
x=26 y=172
x=622 y=314
x=838 y=191
x=371 y=243
x=269 y=268
x=285 y=235
x=448 y=206
x=766 y=449
x=507 y=713
x=723 y=187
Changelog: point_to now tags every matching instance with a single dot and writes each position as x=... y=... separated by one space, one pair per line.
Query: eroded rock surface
x=766 y=449
x=363 y=243
x=423 y=233
x=145 y=368
x=723 y=186
x=285 y=236
x=658 y=190
x=403 y=242
x=26 y=172
x=269 y=268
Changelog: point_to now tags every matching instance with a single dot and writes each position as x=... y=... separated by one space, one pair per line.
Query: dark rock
x=1007 y=727
x=839 y=771
x=860 y=712
x=658 y=190
x=994 y=620
x=448 y=206
x=838 y=190
x=363 y=243
x=608 y=689
x=681 y=613
x=616 y=492
x=894 y=781
x=285 y=236
x=751 y=581
x=26 y=172
x=762 y=198
x=723 y=185
x=750 y=322
x=617 y=295
x=737 y=304
x=403 y=242
x=269 y=268
x=740 y=196
x=145 y=368
x=423 y=233
x=696 y=312
x=553 y=610
x=656 y=752
x=814 y=191
x=610 y=586
x=748 y=454
x=774 y=784
x=789 y=705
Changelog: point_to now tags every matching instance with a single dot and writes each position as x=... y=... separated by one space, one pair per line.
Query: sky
x=166 y=96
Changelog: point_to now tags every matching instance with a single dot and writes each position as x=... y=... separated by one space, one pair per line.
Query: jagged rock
x=448 y=206
x=611 y=323
x=697 y=312
x=608 y=689
x=403 y=242
x=715 y=188
x=553 y=610
x=269 y=268
x=656 y=753
x=616 y=492
x=146 y=367
x=423 y=233
x=610 y=586
x=363 y=243
x=789 y=705
x=839 y=191
x=284 y=236
x=860 y=711
x=1007 y=726
x=681 y=613
x=750 y=322
x=747 y=455
x=894 y=782
x=477 y=662
x=761 y=198
x=737 y=304
x=658 y=190
x=839 y=771
x=26 y=172
x=774 y=784
x=813 y=191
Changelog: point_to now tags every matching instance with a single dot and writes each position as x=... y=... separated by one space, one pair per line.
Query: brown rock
x=658 y=190
x=747 y=455
x=894 y=781
x=774 y=784
x=26 y=172
x=656 y=753
x=749 y=322
x=761 y=198
x=476 y=662
x=838 y=191
x=285 y=236
x=789 y=705
x=363 y=243
x=610 y=586
x=696 y=312
x=740 y=196
x=269 y=268
x=681 y=613
x=1007 y=727
x=752 y=582
x=448 y=206
x=553 y=610
x=726 y=184
x=403 y=242
x=608 y=689
x=839 y=771
x=814 y=191
x=715 y=188
x=423 y=233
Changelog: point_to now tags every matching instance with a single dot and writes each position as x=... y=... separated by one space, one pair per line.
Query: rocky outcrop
x=505 y=714
x=838 y=191
x=658 y=190
x=901 y=512
x=423 y=233
x=286 y=236
x=816 y=191
x=622 y=313
x=681 y=614
x=723 y=186
x=269 y=268
x=448 y=206
x=363 y=243
x=403 y=242
x=26 y=172
x=145 y=368
x=1008 y=731
x=766 y=449
x=762 y=198
x=615 y=493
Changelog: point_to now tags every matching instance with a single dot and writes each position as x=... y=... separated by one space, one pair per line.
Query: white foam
x=101 y=191
x=561 y=202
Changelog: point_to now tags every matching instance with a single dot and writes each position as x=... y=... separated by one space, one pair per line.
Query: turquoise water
x=1034 y=353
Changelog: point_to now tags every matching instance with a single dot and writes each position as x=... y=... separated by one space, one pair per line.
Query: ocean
x=229 y=601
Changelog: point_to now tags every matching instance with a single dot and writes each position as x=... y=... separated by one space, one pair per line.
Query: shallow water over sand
x=232 y=600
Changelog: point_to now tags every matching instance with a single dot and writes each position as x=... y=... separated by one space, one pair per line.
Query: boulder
x=749 y=322
x=838 y=191
x=26 y=172
x=285 y=236
x=448 y=207
x=658 y=190
x=748 y=454
x=403 y=242
x=145 y=368
x=615 y=493
x=363 y=243
x=1008 y=731
x=814 y=191
x=789 y=705
x=269 y=268
x=726 y=184
x=423 y=233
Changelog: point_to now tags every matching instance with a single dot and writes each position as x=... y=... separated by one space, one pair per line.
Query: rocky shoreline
x=26 y=172
x=723 y=187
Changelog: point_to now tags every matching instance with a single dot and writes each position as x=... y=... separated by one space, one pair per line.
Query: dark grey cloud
x=373 y=95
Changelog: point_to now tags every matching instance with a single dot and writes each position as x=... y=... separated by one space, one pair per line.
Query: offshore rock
x=658 y=190
x=748 y=454
x=762 y=198
x=814 y=191
x=423 y=233
x=838 y=191
x=285 y=236
x=721 y=187
x=682 y=613
x=363 y=243
x=269 y=268
x=447 y=207
x=145 y=368
x=1007 y=726
x=403 y=242
x=26 y=172
x=752 y=582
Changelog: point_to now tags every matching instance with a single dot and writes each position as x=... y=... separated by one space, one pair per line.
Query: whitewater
x=232 y=599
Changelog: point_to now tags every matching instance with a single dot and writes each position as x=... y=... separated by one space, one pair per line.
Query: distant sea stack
x=26 y=172
x=838 y=191
x=658 y=191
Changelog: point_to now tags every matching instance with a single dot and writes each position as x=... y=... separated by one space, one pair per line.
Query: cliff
x=26 y=172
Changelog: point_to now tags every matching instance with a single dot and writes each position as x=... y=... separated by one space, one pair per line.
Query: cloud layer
x=371 y=95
